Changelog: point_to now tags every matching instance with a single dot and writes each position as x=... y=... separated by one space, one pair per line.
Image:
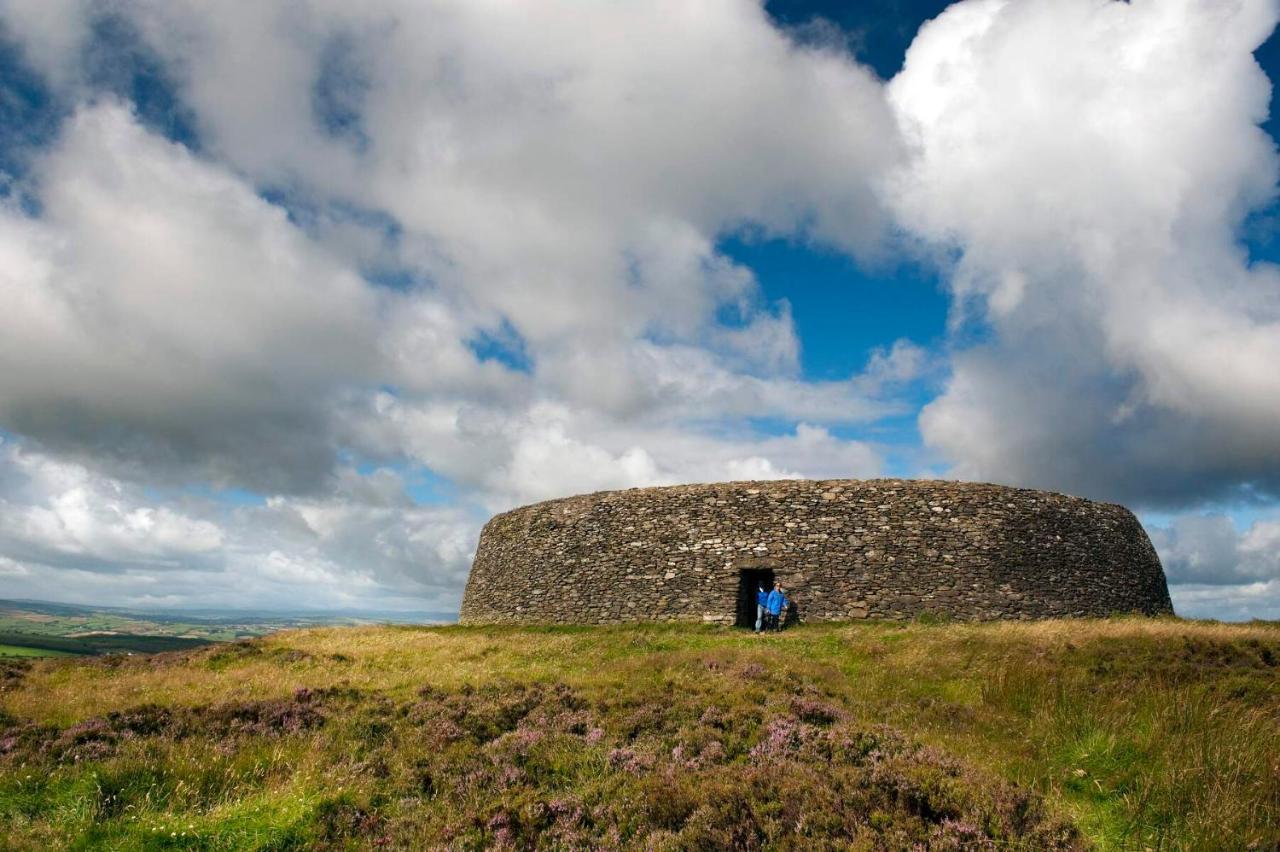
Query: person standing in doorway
x=776 y=604
x=762 y=603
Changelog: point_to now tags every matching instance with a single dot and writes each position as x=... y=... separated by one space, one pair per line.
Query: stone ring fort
x=845 y=549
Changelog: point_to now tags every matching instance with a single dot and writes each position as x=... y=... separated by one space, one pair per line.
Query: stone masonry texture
x=844 y=549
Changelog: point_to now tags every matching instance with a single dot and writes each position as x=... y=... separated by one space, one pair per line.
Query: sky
x=297 y=293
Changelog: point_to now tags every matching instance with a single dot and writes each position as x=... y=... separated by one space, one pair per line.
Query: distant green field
x=18 y=651
x=118 y=644
x=98 y=630
x=71 y=626
x=35 y=629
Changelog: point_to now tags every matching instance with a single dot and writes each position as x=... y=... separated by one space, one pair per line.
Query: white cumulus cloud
x=1091 y=164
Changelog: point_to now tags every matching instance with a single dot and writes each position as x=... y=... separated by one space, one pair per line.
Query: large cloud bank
x=1092 y=163
x=313 y=252
x=1219 y=571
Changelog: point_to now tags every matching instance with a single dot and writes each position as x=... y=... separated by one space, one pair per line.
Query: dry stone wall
x=844 y=549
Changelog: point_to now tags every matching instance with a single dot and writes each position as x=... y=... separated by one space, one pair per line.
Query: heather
x=1126 y=733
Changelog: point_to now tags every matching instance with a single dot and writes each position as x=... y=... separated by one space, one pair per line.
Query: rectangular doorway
x=749 y=580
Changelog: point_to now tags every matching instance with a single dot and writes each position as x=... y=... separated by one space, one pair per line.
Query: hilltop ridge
x=1056 y=734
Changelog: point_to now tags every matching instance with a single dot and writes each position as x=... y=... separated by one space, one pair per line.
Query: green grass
x=1119 y=734
x=21 y=651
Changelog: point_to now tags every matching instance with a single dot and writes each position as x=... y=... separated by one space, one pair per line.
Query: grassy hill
x=1118 y=734
x=47 y=629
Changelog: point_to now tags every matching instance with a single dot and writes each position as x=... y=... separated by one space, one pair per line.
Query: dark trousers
x=772 y=621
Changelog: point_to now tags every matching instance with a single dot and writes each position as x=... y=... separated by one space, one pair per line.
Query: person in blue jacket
x=776 y=604
x=762 y=603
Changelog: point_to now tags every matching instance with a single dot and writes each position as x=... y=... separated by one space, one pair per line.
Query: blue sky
x=299 y=294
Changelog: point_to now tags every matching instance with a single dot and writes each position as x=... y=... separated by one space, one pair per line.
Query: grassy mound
x=1070 y=734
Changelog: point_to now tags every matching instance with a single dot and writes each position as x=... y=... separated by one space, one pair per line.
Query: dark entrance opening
x=749 y=581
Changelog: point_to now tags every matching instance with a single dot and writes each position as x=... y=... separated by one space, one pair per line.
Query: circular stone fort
x=843 y=549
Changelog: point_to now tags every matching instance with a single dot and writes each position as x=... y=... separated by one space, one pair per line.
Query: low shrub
x=879 y=737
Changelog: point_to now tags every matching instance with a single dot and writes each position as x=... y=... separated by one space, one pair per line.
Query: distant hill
x=30 y=628
x=1119 y=734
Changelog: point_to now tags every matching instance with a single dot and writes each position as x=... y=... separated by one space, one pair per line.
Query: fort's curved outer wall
x=884 y=548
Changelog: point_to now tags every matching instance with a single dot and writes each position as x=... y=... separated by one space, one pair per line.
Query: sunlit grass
x=1143 y=733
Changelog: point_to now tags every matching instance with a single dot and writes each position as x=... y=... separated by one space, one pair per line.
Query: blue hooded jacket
x=777 y=600
x=762 y=598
